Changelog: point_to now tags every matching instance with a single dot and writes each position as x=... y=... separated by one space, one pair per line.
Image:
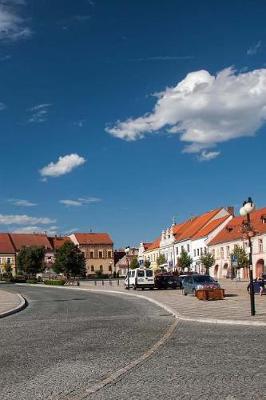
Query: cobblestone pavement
x=8 y=301
x=235 y=306
x=200 y=361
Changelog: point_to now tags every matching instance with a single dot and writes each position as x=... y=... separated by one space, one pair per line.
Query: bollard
x=110 y=282
x=117 y=282
x=102 y=283
x=95 y=283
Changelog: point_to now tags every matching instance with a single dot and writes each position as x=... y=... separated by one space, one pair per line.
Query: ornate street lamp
x=127 y=250
x=247 y=229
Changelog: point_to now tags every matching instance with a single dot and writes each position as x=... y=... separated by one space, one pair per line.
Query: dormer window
x=263 y=218
x=229 y=228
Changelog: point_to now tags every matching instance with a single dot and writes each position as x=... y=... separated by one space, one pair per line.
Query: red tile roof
x=93 y=238
x=146 y=245
x=30 y=239
x=154 y=245
x=6 y=246
x=191 y=227
x=58 y=241
x=233 y=230
x=210 y=227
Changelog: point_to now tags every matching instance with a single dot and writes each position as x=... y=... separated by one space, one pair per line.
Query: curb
x=164 y=306
x=23 y=304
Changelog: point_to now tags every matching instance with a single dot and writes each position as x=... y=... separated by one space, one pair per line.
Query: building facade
x=98 y=252
x=223 y=244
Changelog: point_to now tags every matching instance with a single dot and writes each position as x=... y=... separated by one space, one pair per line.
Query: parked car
x=140 y=278
x=167 y=280
x=191 y=283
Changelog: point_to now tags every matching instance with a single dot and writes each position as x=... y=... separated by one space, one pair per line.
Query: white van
x=140 y=278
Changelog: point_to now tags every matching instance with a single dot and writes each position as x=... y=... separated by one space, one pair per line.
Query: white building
x=222 y=246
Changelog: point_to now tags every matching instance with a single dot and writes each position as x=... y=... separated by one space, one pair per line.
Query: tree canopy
x=208 y=261
x=241 y=256
x=134 y=263
x=69 y=260
x=30 y=260
x=184 y=260
x=161 y=260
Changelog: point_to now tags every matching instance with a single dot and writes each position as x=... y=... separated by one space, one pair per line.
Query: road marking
x=84 y=393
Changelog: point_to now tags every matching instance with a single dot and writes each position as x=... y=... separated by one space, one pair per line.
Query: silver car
x=191 y=283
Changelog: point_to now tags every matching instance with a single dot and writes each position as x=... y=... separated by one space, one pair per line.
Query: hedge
x=55 y=282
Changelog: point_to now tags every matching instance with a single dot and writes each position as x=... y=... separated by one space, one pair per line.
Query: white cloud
x=204 y=110
x=254 y=49
x=39 y=113
x=63 y=166
x=24 y=220
x=208 y=155
x=22 y=203
x=12 y=25
x=51 y=230
x=80 y=201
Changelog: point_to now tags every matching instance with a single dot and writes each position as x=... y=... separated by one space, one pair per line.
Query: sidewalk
x=234 y=309
x=10 y=303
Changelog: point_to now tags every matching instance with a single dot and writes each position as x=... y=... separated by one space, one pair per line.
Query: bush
x=32 y=281
x=55 y=282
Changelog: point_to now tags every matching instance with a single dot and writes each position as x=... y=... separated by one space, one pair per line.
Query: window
x=194 y=252
x=109 y=254
x=141 y=273
x=100 y=254
x=205 y=250
x=201 y=251
x=177 y=250
x=197 y=252
x=92 y=268
x=110 y=268
x=260 y=246
x=92 y=254
x=8 y=260
x=101 y=268
x=188 y=249
x=149 y=273
x=227 y=251
x=222 y=252
x=213 y=252
x=182 y=248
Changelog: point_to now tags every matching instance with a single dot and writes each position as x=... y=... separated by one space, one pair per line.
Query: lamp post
x=127 y=249
x=245 y=210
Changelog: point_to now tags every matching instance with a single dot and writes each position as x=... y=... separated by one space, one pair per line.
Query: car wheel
x=185 y=294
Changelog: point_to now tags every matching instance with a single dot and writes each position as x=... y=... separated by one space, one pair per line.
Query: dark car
x=165 y=281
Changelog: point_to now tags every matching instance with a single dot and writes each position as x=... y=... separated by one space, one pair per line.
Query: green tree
x=69 y=260
x=208 y=261
x=241 y=255
x=161 y=260
x=30 y=260
x=147 y=263
x=184 y=260
x=134 y=263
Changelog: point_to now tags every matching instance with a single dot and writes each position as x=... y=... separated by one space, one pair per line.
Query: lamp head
x=127 y=249
x=249 y=206
x=243 y=211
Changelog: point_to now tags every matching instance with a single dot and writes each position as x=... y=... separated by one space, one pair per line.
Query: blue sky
x=115 y=115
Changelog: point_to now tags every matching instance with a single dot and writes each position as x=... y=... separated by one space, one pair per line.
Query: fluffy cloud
x=63 y=166
x=204 y=110
x=39 y=113
x=80 y=201
x=22 y=203
x=12 y=25
x=24 y=220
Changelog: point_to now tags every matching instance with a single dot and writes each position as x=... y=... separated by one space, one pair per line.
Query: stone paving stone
x=235 y=306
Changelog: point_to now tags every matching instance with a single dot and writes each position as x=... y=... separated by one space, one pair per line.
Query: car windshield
x=148 y=273
x=203 y=279
x=141 y=273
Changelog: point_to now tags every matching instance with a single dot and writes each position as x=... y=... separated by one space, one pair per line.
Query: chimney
x=231 y=210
